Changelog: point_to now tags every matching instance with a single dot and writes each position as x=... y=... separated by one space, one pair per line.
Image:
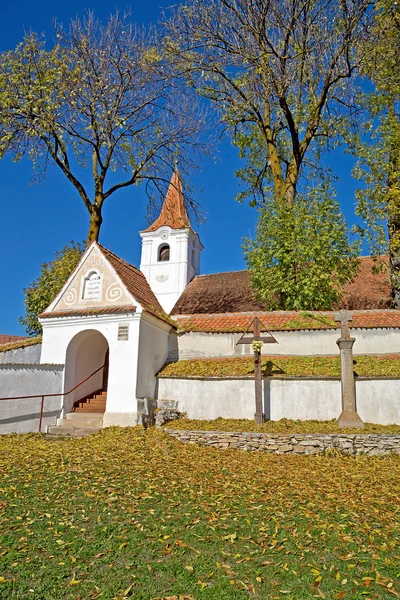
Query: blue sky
x=35 y=221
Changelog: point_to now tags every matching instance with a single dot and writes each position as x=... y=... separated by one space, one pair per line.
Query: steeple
x=173 y=212
x=170 y=248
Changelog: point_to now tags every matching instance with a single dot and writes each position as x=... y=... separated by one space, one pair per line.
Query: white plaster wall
x=319 y=399
x=371 y=341
x=178 y=270
x=153 y=353
x=30 y=355
x=304 y=399
x=121 y=408
x=378 y=400
x=22 y=416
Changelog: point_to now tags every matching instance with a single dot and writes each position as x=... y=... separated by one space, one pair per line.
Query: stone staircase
x=86 y=418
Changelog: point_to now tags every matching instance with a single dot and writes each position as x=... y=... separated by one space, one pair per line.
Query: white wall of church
x=169 y=278
x=304 y=399
x=153 y=353
x=368 y=341
x=121 y=408
x=22 y=416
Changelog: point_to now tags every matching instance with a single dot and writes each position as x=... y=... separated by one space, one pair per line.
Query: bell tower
x=170 y=248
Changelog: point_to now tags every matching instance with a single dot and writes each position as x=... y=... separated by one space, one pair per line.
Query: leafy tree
x=301 y=258
x=41 y=292
x=104 y=98
x=281 y=73
x=377 y=147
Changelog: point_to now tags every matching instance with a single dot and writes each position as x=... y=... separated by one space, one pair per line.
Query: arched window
x=193 y=259
x=163 y=253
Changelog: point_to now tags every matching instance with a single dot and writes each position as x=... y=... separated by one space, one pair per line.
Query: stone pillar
x=349 y=417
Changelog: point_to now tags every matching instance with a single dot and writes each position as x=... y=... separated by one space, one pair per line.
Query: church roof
x=231 y=292
x=173 y=212
x=137 y=284
x=287 y=321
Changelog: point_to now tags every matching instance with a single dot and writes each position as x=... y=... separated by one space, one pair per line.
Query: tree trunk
x=95 y=223
x=394 y=253
x=394 y=215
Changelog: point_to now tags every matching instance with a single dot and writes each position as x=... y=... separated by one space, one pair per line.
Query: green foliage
x=281 y=426
x=104 y=98
x=41 y=292
x=136 y=514
x=282 y=366
x=377 y=145
x=281 y=75
x=301 y=256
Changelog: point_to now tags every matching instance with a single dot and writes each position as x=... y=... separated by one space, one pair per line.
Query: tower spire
x=173 y=212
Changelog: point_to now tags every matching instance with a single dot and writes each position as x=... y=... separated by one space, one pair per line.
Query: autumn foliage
x=129 y=513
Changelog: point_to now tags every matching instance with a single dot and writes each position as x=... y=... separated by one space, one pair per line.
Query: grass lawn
x=134 y=514
x=282 y=426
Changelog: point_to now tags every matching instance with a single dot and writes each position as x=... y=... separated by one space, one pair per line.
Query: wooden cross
x=343 y=317
x=248 y=339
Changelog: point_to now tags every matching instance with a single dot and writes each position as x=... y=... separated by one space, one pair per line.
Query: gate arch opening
x=87 y=351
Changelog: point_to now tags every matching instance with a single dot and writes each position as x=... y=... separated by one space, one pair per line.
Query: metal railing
x=43 y=396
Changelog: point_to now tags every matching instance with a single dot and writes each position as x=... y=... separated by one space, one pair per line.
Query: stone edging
x=290 y=443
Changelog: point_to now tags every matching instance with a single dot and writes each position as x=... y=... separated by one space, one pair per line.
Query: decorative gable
x=93 y=285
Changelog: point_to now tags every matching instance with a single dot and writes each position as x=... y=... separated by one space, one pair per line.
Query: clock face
x=164 y=235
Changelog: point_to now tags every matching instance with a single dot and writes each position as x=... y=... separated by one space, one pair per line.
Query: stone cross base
x=350 y=419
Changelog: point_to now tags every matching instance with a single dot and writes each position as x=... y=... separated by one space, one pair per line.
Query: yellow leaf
x=123 y=545
x=259 y=579
x=2 y=580
x=189 y=567
x=74 y=581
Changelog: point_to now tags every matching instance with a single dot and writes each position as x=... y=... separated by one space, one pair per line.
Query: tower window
x=163 y=253
x=193 y=259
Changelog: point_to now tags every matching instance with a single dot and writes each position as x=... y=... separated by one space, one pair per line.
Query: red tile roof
x=137 y=284
x=173 y=212
x=81 y=312
x=9 y=339
x=287 y=321
x=232 y=292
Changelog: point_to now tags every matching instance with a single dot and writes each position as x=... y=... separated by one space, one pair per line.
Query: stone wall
x=281 y=443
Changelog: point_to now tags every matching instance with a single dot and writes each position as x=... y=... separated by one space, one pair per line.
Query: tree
x=301 y=258
x=281 y=73
x=104 y=98
x=41 y=292
x=377 y=147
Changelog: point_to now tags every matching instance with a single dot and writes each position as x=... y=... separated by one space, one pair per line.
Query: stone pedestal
x=348 y=417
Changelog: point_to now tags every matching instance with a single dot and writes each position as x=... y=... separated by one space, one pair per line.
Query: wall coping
x=277 y=377
x=44 y=366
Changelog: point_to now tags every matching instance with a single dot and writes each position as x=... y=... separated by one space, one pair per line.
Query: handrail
x=43 y=396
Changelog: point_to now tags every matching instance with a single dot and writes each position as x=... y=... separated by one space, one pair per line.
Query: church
x=113 y=327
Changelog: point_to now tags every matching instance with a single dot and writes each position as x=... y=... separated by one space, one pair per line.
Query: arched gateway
x=106 y=311
x=87 y=359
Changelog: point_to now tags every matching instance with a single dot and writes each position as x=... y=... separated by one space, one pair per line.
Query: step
x=70 y=431
x=79 y=416
x=86 y=410
x=77 y=424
